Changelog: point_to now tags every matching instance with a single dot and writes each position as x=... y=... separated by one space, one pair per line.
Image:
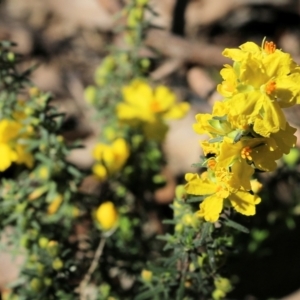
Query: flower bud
x=43 y=242
x=107 y=215
x=57 y=264
x=146 y=275
x=36 y=284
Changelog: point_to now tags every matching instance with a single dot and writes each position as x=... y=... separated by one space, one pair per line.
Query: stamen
x=245 y=153
x=270 y=87
x=211 y=163
x=269 y=47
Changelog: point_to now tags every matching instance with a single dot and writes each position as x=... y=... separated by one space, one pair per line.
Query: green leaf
x=203 y=234
x=195 y=199
x=236 y=225
x=150 y=294
x=216 y=140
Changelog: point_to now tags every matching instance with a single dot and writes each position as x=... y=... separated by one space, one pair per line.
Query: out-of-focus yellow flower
x=149 y=108
x=146 y=275
x=107 y=215
x=9 y=130
x=110 y=158
x=10 y=150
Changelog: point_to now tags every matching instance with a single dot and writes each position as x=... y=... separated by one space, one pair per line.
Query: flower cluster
x=13 y=148
x=110 y=158
x=149 y=108
x=247 y=130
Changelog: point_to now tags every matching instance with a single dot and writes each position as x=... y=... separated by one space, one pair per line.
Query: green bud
x=121 y=191
x=36 y=284
x=42 y=147
x=28 y=111
x=291 y=158
x=33 y=258
x=142 y=2
x=33 y=234
x=47 y=281
x=179 y=228
x=21 y=207
x=145 y=63
x=108 y=63
x=24 y=242
x=159 y=179
x=40 y=269
x=53 y=248
x=35 y=121
x=43 y=242
x=10 y=56
x=180 y=191
x=57 y=264
x=90 y=94
x=104 y=290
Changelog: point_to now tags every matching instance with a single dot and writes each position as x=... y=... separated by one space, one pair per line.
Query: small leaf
x=216 y=140
x=236 y=225
x=203 y=234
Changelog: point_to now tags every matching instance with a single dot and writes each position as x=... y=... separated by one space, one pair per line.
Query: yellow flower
x=9 y=130
x=266 y=115
x=24 y=157
x=110 y=158
x=11 y=151
x=146 y=275
x=7 y=157
x=149 y=107
x=107 y=215
x=216 y=192
x=249 y=153
x=262 y=81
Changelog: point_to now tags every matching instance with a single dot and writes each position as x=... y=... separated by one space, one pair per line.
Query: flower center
x=211 y=163
x=155 y=106
x=270 y=87
x=245 y=153
x=269 y=47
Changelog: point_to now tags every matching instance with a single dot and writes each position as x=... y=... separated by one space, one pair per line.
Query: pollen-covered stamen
x=270 y=87
x=245 y=153
x=219 y=188
x=269 y=47
x=211 y=163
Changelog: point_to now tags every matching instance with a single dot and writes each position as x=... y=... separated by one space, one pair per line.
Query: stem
x=83 y=284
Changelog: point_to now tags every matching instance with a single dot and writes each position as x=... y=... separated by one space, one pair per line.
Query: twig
x=83 y=284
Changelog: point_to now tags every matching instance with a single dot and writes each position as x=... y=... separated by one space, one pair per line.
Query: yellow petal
x=177 y=111
x=211 y=208
x=244 y=202
x=7 y=157
x=199 y=186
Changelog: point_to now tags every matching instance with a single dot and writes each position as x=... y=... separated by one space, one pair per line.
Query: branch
x=83 y=284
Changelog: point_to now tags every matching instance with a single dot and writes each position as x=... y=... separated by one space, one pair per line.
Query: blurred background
x=68 y=39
